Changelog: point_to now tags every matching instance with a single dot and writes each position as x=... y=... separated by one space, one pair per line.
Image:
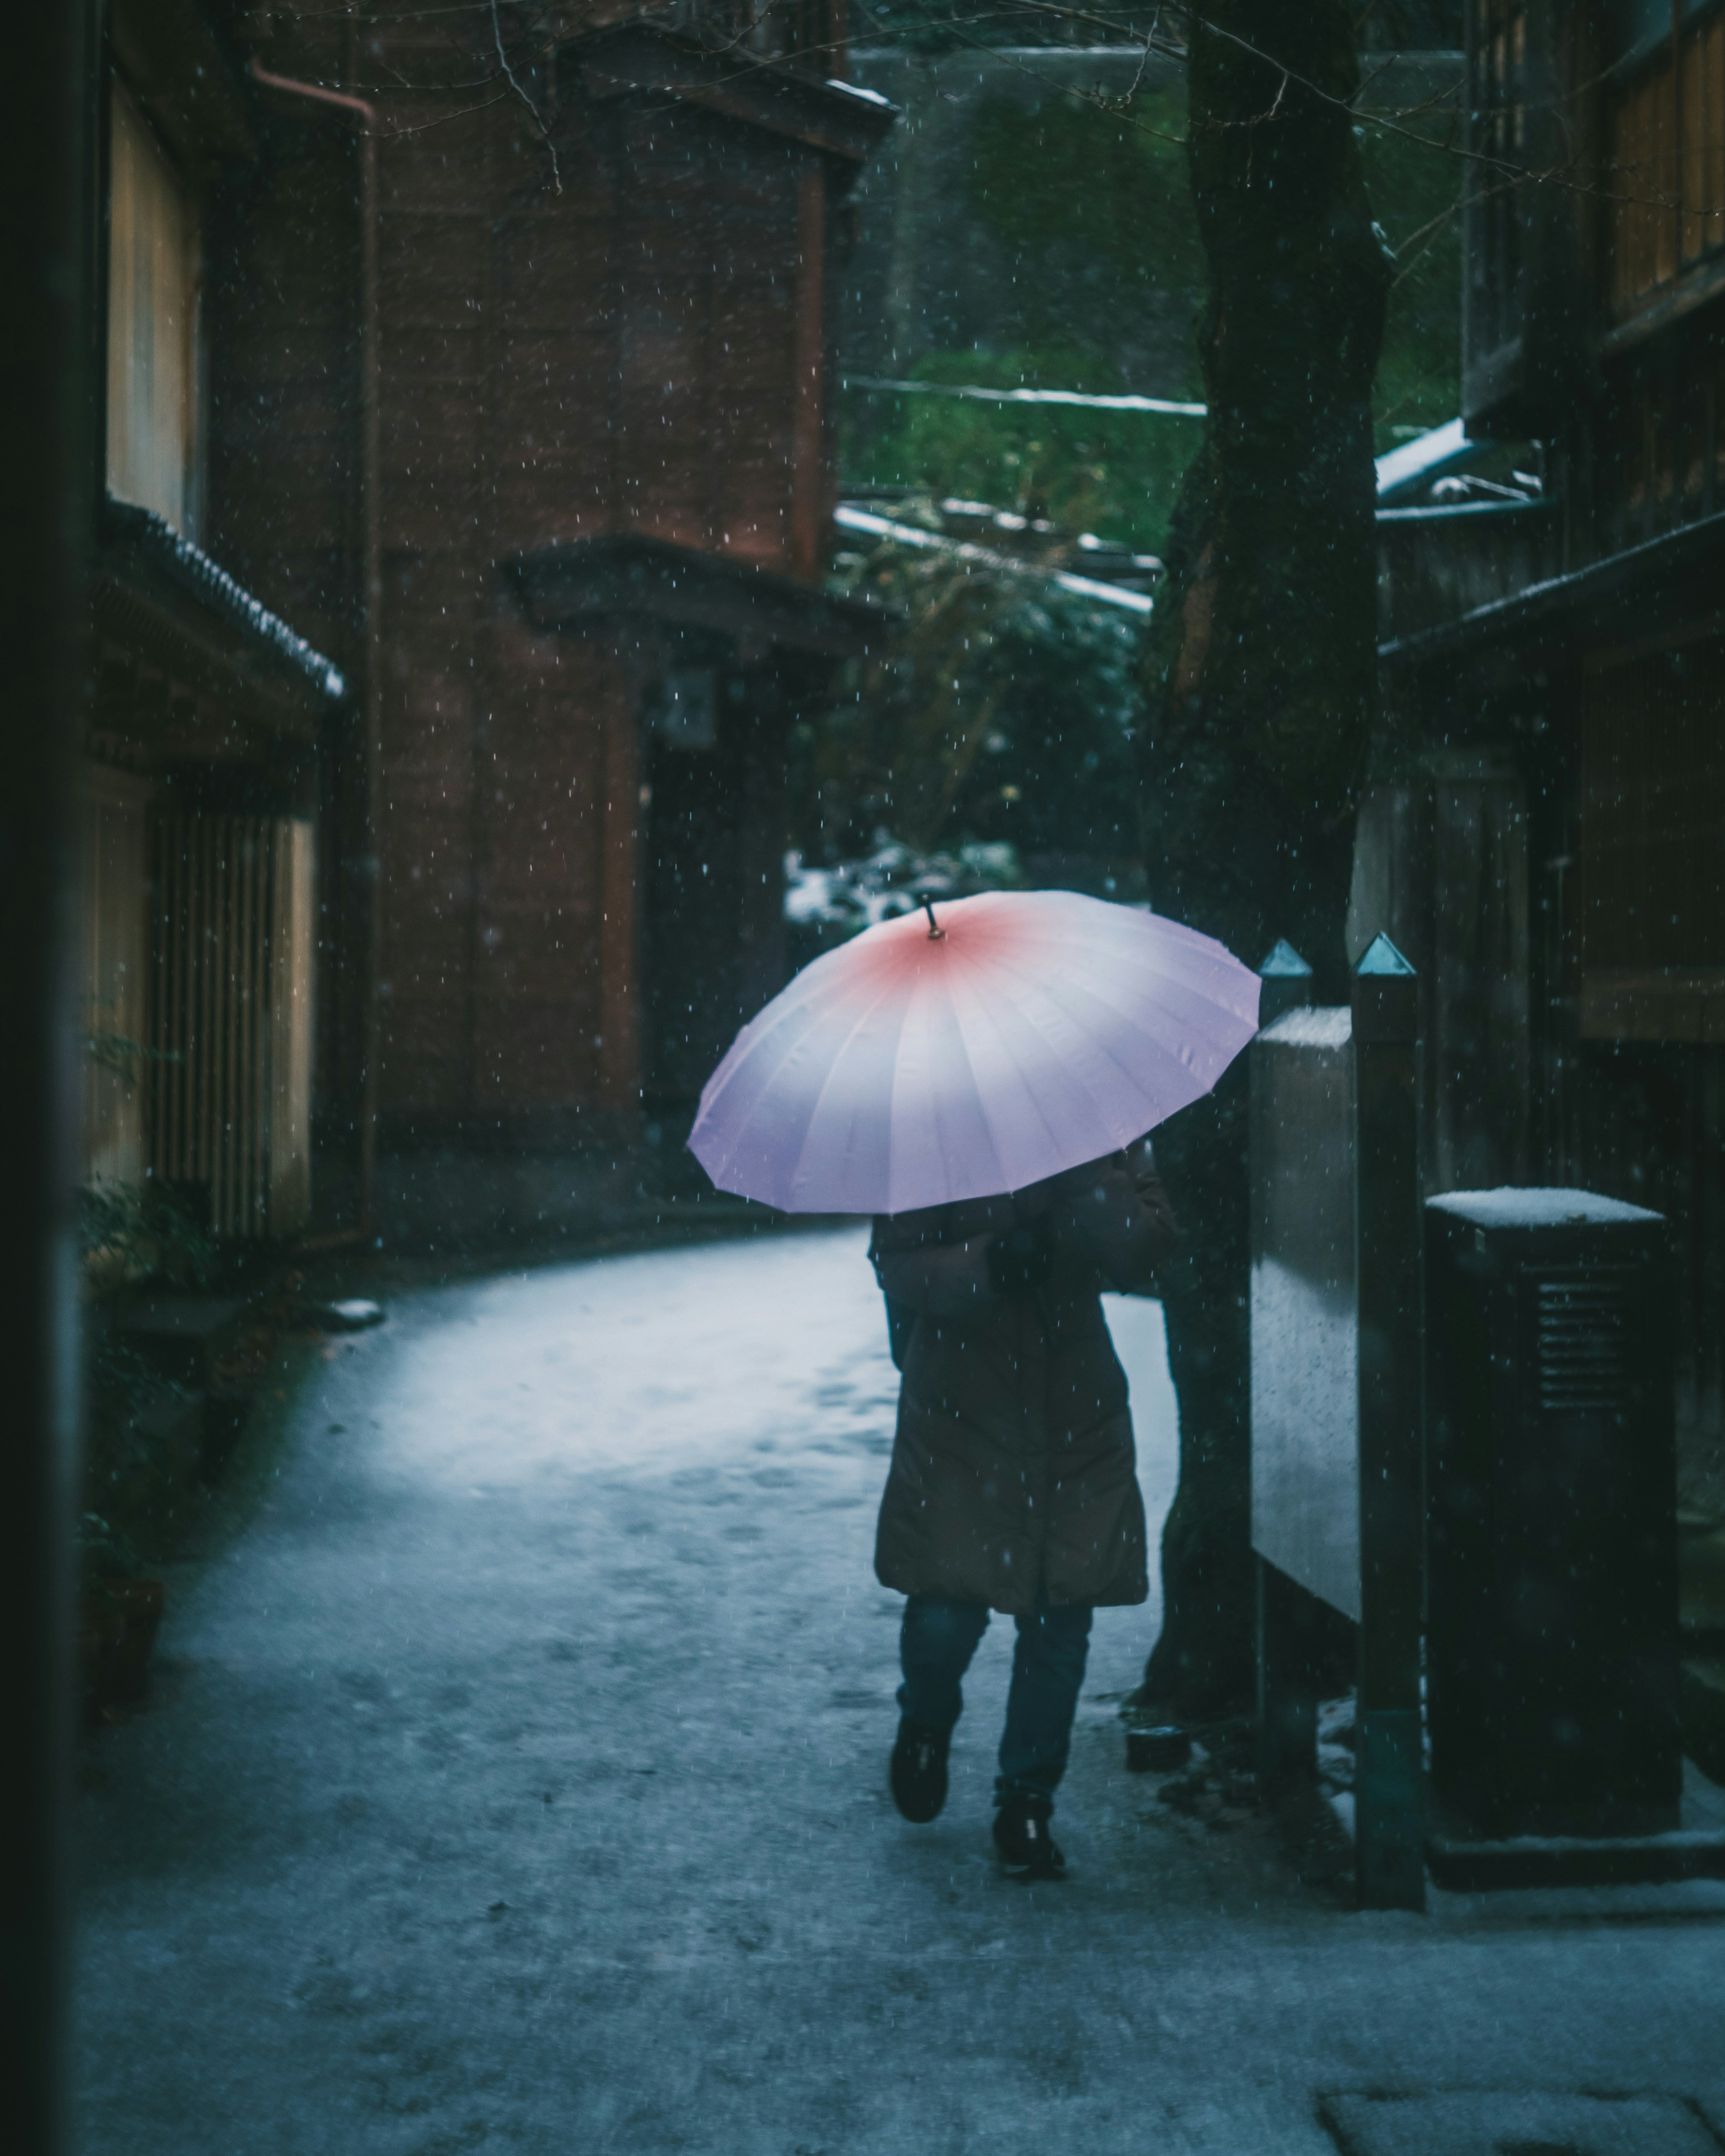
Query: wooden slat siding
x=254 y=1086
x=179 y=883
x=1478 y=987
x=231 y=954
x=1644 y=186
x=1641 y=180
x=233 y=967
x=1652 y=894
x=1713 y=158
x=238 y=988
x=115 y=924
x=198 y=1043
x=166 y=1024
x=1713 y=373
x=1691 y=89
x=1668 y=186
x=292 y=1026
x=224 y=950
x=1666 y=132
x=1621 y=214
x=234 y=997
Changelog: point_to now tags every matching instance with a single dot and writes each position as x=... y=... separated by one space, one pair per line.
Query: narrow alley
x=517 y=1780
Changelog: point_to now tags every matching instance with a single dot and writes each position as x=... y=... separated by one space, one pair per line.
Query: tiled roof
x=207 y=581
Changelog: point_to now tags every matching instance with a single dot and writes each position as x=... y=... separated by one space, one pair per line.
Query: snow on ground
x=518 y=1782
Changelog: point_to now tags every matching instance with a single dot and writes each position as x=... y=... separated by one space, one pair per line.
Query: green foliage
x=1110 y=187
x=103 y=1552
x=1094 y=210
x=130 y=1232
x=1114 y=473
x=1001 y=715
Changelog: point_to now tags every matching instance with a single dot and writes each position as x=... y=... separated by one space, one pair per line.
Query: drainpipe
x=364 y=116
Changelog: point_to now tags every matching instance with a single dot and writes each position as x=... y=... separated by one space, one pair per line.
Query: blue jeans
x=935 y=1647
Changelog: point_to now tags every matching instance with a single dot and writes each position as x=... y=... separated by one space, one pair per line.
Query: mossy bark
x=1260 y=693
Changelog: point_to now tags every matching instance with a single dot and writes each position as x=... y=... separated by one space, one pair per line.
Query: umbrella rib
x=791 y=1049
x=981 y=1099
x=963 y=1049
x=1026 y=1010
x=863 y=1018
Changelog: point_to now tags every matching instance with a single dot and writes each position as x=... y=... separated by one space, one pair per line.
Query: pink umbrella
x=927 y=1060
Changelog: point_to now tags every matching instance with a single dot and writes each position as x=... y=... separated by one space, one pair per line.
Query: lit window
x=155 y=269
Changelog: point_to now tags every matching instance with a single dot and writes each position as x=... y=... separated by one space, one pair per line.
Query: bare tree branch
x=556 y=176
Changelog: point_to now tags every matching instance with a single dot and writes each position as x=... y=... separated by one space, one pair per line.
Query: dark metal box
x=1552 y=1637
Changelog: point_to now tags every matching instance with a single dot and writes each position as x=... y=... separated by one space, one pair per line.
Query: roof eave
x=587 y=584
x=157 y=593
x=740 y=85
x=1602 y=591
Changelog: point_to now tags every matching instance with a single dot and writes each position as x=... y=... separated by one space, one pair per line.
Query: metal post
x=1287 y=1692
x=47 y=380
x=1389 y=1769
x=1286 y=983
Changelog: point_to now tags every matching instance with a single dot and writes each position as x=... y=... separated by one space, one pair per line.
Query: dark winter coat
x=1013 y=1470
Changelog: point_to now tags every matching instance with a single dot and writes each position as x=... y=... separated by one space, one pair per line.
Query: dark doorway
x=714 y=872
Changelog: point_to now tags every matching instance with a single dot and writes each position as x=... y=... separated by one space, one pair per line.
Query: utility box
x=1551 y=1557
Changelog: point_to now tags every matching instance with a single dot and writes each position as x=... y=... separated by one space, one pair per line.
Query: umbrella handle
x=936 y=934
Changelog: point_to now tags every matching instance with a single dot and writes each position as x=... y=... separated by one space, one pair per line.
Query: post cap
x=1386 y=996
x=1383 y=958
x=1285 y=963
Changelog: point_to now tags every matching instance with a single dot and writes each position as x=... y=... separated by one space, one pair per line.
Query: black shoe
x=919 y=1771
x=1027 y=1850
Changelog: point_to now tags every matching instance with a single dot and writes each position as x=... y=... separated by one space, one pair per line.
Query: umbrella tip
x=936 y=934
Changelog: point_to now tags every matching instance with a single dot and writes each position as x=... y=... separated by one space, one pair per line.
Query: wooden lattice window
x=155 y=276
x=1500 y=65
x=1665 y=130
x=1652 y=912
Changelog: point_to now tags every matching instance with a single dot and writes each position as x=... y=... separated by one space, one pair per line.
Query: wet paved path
x=516 y=1783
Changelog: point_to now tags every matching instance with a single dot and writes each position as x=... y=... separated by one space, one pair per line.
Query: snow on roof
x=850 y=519
x=222 y=594
x=983 y=393
x=1538 y=1208
x=1425 y=457
x=856 y=90
x=1331 y=1025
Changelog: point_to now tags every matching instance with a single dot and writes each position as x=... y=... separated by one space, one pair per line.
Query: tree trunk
x=1261 y=692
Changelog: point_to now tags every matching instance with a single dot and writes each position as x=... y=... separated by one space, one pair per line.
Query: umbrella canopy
x=1025 y=1032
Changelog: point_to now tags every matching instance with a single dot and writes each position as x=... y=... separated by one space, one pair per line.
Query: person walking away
x=1012 y=1485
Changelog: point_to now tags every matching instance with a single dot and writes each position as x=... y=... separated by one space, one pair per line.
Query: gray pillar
x=1388 y=1771
x=1287 y=1689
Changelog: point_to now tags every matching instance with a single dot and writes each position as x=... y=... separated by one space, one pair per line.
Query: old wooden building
x=1545 y=832
x=601 y=309
x=217 y=724
x=506 y=337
